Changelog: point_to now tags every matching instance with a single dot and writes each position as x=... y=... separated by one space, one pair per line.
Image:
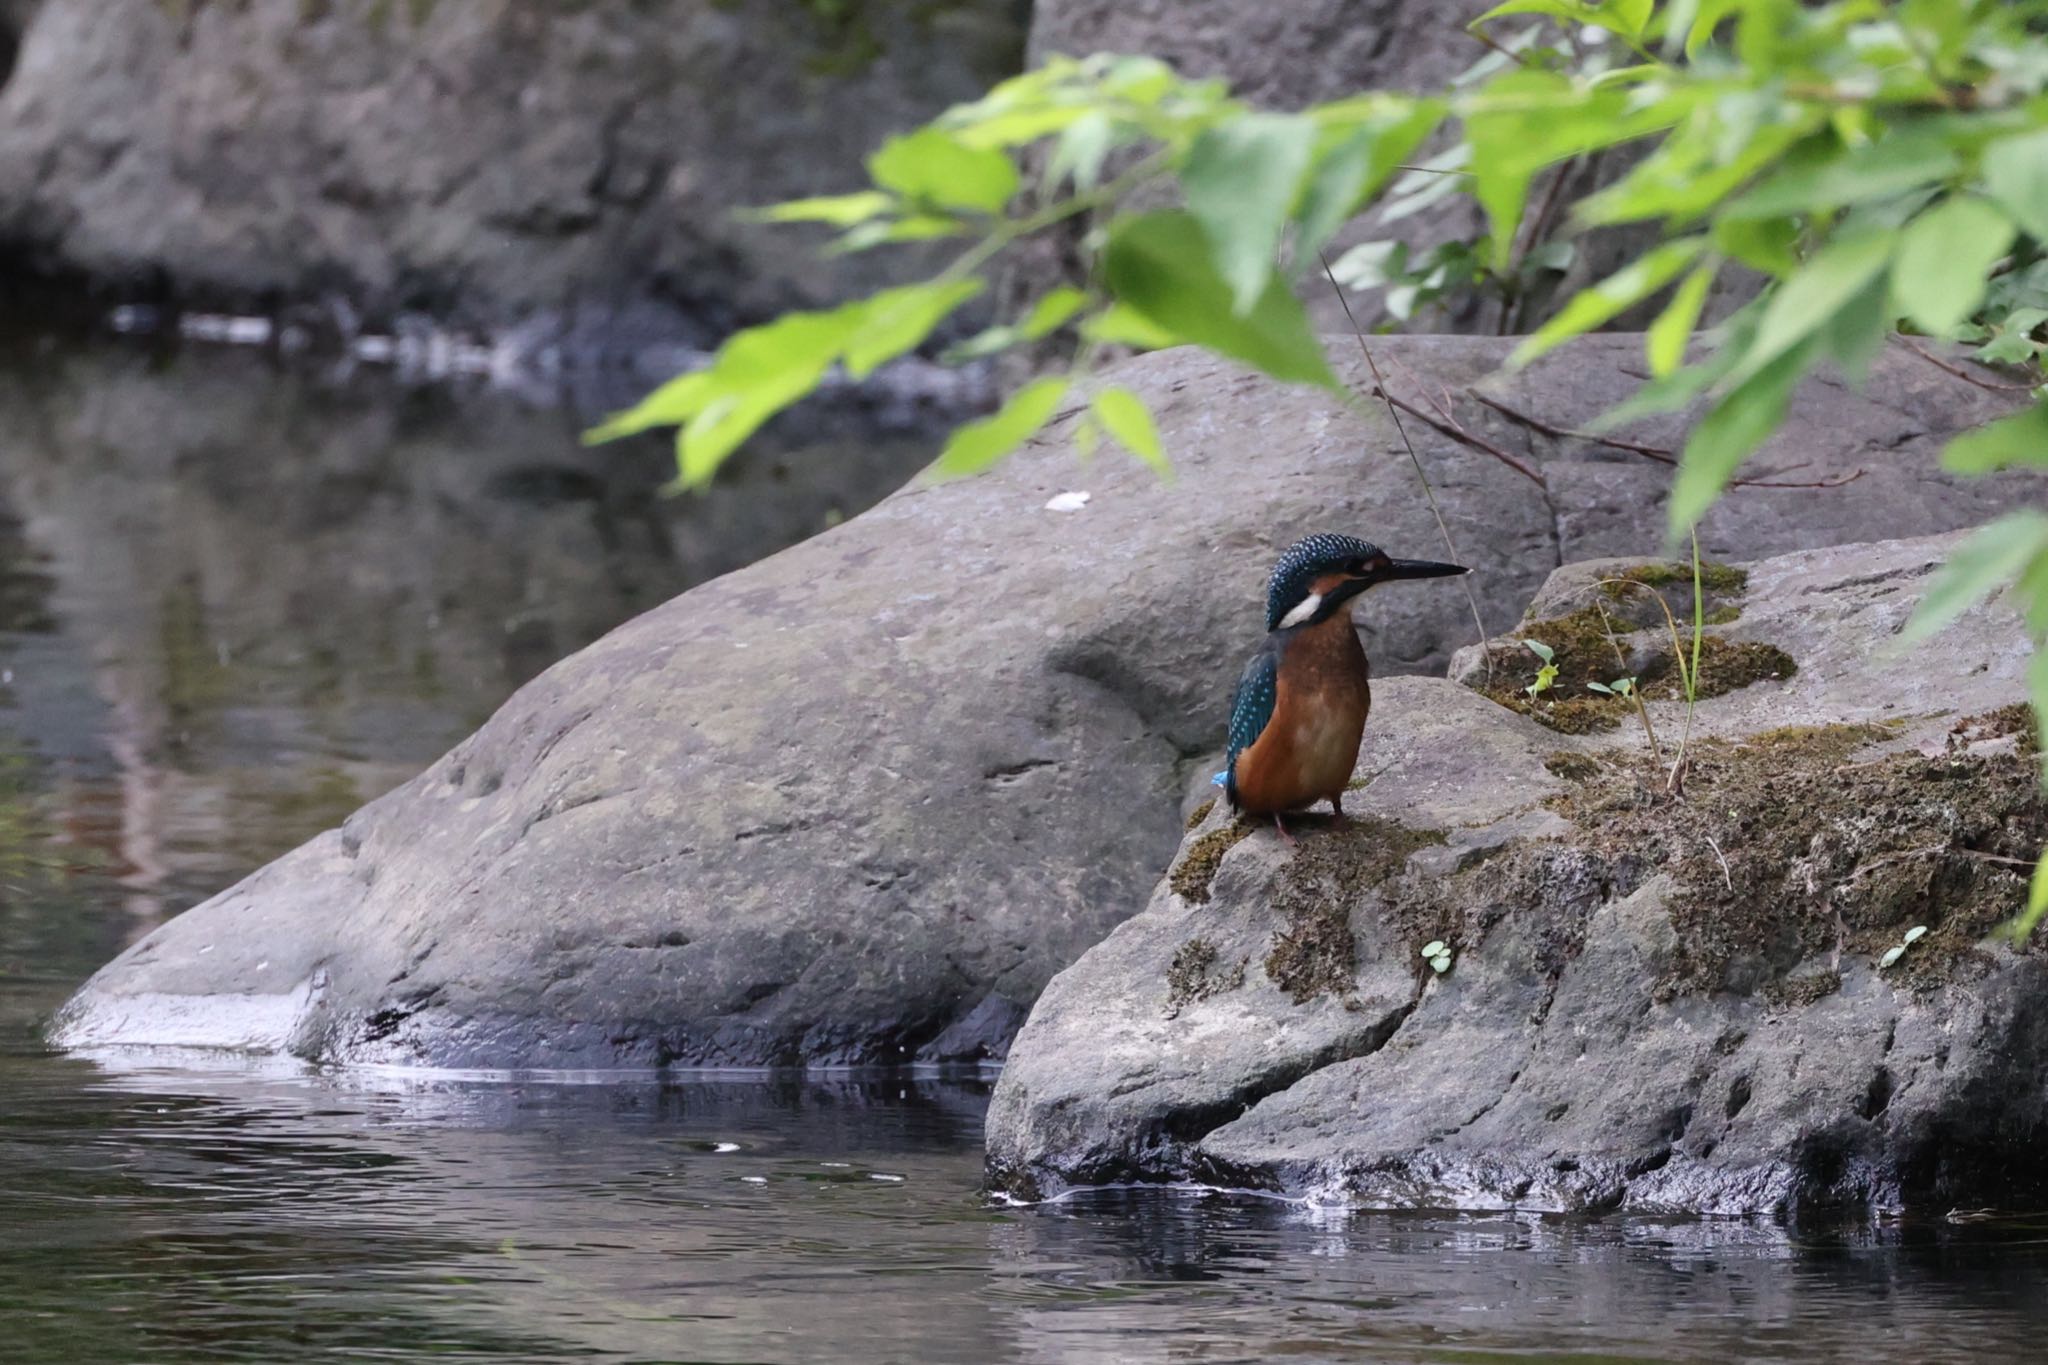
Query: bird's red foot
x=1338 y=816
x=1285 y=837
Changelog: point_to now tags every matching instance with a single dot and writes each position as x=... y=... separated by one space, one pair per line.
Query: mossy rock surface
x=1666 y=993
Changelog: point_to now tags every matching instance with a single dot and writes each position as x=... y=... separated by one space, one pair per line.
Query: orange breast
x=1308 y=750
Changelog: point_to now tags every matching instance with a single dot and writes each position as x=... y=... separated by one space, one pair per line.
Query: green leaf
x=1124 y=415
x=1712 y=12
x=756 y=374
x=1916 y=933
x=670 y=405
x=2019 y=439
x=1121 y=325
x=1241 y=180
x=2016 y=175
x=1352 y=171
x=1806 y=303
x=931 y=166
x=1598 y=303
x=1158 y=264
x=1664 y=344
x=1888 y=166
x=1013 y=127
x=1433 y=948
x=1599 y=687
x=978 y=445
x=1945 y=257
x=1985 y=563
x=1625 y=17
x=1540 y=650
x=1054 y=310
x=1857 y=333
x=1529 y=119
x=916 y=227
x=1891 y=956
x=1080 y=152
x=896 y=320
x=2037 y=902
x=2014 y=344
x=840 y=210
x=1371 y=264
x=1735 y=427
x=1766 y=244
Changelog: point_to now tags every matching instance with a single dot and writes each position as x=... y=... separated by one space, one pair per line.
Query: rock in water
x=480 y=162
x=1653 y=1003
x=860 y=801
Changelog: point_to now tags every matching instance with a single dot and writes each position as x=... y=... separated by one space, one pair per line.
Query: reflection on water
x=159 y=1216
x=234 y=605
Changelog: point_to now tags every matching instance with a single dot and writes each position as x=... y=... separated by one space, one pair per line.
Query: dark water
x=234 y=603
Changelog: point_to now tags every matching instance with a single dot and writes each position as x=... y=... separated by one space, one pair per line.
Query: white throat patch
x=1303 y=612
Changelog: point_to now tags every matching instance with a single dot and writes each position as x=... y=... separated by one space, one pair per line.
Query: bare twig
x=1442 y=526
x=1483 y=37
x=1686 y=675
x=2001 y=858
x=1511 y=297
x=1661 y=454
x=1450 y=426
x=1635 y=691
x=1959 y=372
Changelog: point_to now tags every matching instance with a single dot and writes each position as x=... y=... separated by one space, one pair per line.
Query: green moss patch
x=1595 y=645
x=1715 y=579
x=1572 y=767
x=1190 y=878
x=1725 y=665
x=1786 y=852
x=1331 y=871
x=1199 y=814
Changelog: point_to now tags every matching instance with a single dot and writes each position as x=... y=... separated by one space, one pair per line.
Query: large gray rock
x=480 y=160
x=1656 y=1002
x=861 y=800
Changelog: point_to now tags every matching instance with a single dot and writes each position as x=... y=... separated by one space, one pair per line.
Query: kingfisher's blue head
x=1316 y=577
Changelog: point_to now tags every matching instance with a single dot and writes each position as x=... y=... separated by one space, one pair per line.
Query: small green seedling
x=1898 y=950
x=1620 y=687
x=1437 y=954
x=1547 y=674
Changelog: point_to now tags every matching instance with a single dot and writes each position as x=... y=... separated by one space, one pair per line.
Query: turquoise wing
x=1251 y=708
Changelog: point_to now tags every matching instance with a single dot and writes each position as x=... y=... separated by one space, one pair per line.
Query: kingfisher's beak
x=1417 y=568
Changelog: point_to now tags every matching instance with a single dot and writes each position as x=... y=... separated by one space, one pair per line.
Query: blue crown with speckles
x=1300 y=565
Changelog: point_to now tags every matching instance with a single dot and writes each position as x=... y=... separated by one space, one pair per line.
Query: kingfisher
x=1300 y=706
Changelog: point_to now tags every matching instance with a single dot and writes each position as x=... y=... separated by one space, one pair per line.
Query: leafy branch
x=1881 y=166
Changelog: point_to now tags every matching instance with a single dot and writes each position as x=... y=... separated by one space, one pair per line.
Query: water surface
x=236 y=602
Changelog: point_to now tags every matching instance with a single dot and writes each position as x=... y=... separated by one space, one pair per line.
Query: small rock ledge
x=1656 y=1002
